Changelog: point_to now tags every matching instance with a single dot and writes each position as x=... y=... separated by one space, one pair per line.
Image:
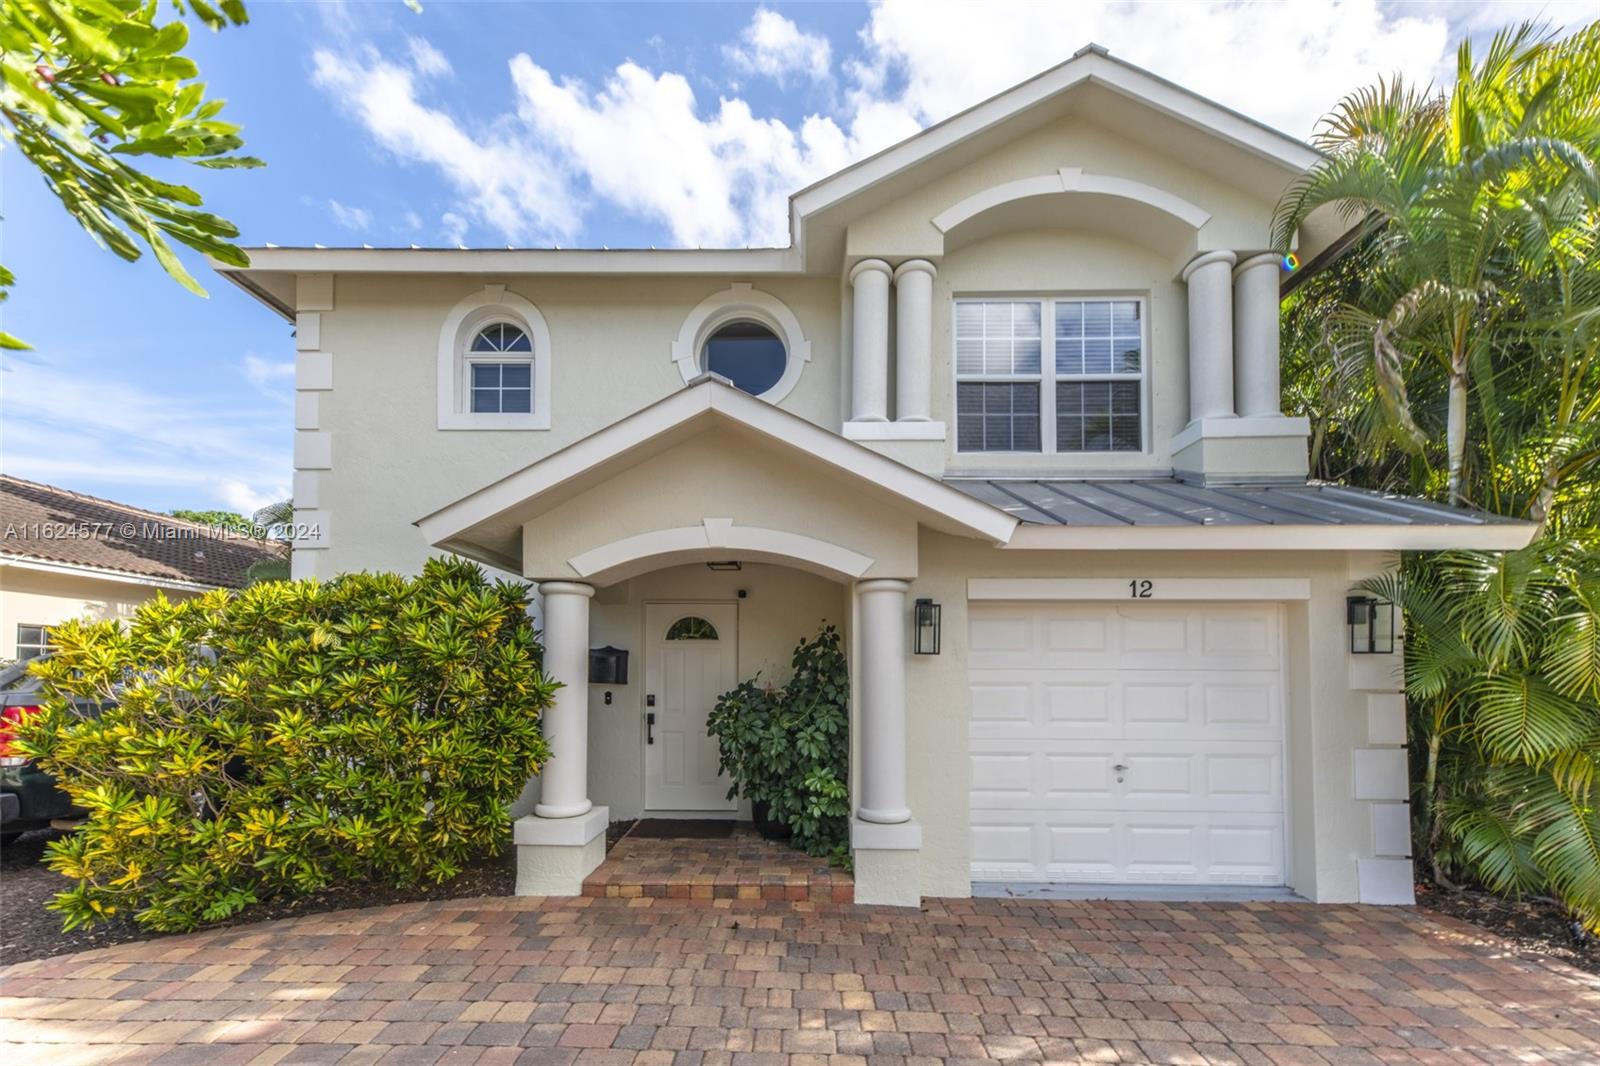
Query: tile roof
x=49 y=524
x=1171 y=502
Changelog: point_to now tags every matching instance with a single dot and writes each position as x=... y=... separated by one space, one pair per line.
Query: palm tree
x=274 y=518
x=1440 y=183
x=1503 y=673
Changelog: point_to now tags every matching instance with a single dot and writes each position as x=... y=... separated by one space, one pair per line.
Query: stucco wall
x=29 y=597
x=610 y=356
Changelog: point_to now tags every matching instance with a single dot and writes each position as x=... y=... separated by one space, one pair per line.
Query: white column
x=913 y=338
x=869 y=350
x=883 y=700
x=564 y=781
x=1210 y=281
x=1255 y=336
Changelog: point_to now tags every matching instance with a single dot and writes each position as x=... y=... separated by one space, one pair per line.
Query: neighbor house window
x=500 y=370
x=1053 y=375
x=32 y=641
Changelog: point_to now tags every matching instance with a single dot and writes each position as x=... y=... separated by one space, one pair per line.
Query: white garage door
x=1127 y=743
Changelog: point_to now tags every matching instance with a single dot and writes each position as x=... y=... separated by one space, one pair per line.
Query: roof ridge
x=74 y=494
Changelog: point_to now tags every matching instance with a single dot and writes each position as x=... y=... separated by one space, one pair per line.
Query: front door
x=691 y=658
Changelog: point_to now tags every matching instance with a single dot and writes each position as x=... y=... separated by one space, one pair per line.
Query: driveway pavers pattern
x=754 y=982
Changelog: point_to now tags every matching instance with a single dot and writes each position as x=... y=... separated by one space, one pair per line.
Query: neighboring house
x=1023 y=366
x=65 y=555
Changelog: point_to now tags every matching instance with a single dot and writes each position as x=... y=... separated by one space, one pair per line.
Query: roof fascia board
x=1498 y=536
x=695 y=402
x=1114 y=74
x=699 y=261
x=104 y=574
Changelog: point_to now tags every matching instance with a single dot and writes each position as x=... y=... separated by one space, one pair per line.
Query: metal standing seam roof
x=1171 y=502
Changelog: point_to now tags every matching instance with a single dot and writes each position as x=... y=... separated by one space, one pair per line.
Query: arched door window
x=692 y=628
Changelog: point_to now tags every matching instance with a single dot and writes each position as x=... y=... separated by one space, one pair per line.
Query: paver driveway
x=720 y=981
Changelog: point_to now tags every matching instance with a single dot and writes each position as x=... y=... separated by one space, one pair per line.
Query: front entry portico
x=826 y=531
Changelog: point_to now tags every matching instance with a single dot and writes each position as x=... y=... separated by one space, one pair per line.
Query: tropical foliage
x=89 y=87
x=789 y=747
x=278 y=739
x=1455 y=352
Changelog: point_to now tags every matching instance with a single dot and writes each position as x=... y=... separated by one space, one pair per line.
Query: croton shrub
x=278 y=739
x=789 y=747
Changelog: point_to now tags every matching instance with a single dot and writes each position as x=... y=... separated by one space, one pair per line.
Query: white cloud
x=248 y=499
x=508 y=184
x=454 y=228
x=640 y=142
x=427 y=60
x=774 y=46
x=351 y=218
x=273 y=378
x=80 y=430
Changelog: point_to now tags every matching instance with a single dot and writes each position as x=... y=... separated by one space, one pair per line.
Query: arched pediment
x=1072 y=199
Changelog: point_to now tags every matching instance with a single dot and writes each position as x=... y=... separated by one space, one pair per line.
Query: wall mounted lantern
x=1371 y=622
x=925 y=628
x=608 y=666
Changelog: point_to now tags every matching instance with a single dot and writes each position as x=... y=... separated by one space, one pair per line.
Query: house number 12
x=1141 y=589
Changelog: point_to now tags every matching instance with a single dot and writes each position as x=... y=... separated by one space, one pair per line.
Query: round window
x=746 y=353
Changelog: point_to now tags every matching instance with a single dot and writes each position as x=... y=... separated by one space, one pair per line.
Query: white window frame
x=39 y=649
x=493 y=303
x=1047 y=378
x=742 y=302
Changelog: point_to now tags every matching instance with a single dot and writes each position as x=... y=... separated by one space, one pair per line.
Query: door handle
x=650 y=728
x=1119 y=768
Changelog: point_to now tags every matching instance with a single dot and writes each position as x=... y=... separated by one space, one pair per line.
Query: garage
x=1133 y=743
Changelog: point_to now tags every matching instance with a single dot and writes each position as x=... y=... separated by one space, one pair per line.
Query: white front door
x=1127 y=743
x=691 y=658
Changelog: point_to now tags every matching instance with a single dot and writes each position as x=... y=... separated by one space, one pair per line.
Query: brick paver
x=731 y=982
x=739 y=866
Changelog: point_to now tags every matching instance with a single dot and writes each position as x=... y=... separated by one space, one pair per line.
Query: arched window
x=748 y=354
x=499 y=365
x=692 y=628
x=494 y=363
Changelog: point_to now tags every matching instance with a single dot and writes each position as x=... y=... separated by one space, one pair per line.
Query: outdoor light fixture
x=1371 y=622
x=925 y=627
x=725 y=564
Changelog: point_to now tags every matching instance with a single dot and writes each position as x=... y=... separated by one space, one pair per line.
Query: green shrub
x=790 y=748
x=282 y=738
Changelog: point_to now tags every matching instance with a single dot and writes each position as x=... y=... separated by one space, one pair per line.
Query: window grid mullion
x=1047 y=377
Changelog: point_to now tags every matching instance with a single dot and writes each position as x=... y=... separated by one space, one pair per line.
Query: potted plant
x=787 y=749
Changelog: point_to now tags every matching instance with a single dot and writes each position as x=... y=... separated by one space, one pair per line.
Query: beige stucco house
x=1023 y=366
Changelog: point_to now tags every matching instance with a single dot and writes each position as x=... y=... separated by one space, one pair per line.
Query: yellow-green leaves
x=286 y=736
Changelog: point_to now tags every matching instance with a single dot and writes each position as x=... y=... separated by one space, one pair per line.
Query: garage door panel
x=1188 y=698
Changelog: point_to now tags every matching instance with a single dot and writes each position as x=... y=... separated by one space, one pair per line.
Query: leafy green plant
x=789 y=747
x=284 y=737
x=1503 y=675
x=87 y=86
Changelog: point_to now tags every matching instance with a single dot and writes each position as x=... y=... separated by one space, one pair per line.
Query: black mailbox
x=608 y=666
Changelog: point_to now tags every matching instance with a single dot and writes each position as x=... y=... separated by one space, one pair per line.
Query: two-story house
x=1006 y=410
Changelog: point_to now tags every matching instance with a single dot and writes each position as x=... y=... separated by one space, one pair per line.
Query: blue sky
x=489 y=124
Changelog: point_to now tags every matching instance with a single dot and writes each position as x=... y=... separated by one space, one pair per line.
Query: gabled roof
x=47 y=527
x=485 y=524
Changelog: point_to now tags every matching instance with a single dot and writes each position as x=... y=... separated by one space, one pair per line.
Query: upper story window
x=494 y=363
x=748 y=354
x=499 y=365
x=750 y=337
x=1050 y=375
